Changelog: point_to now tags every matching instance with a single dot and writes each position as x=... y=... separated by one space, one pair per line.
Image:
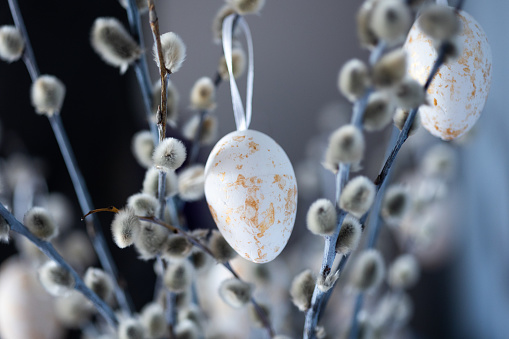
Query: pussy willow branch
x=263 y=316
x=170 y=312
x=376 y=207
x=374 y=224
x=163 y=71
x=384 y=174
x=141 y=66
x=329 y=253
x=84 y=199
x=48 y=249
x=161 y=109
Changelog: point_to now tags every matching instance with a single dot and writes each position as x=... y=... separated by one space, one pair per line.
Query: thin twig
x=163 y=71
x=403 y=135
x=84 y=199
x=48 y=249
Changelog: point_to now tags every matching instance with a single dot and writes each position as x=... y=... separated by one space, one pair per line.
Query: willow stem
x=79 y=184
x=381 y=179
x=329 y=252
x=48 y=249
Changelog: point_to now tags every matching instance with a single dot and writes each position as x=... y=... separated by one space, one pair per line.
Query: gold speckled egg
x=251 y=191
x=460 y=88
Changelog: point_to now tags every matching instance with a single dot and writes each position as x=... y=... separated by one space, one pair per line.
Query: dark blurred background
x=299 y=47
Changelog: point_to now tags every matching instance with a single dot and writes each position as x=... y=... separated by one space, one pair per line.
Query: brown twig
x=163 y=71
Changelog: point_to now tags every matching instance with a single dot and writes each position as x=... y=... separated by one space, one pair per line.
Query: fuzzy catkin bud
x=174 y=51
x=74 y=310
x=4 y=230
x=391 y=20
x=217 y=25
x=346 y=145
x=187 y=329
x=172 y=102
x=409 y=94
x=353 y=79
x=143 y=204
x=182 y=299
x=368 y=270
x=151 y=183
x=203 y=95
x=130 y=328
x=247 y=6
x=439 y=22
x=40 y=223
x=191 y=183
x=390 y=69
x=321 y=218
x=200 y=260
x=235 y=292
x=142 y=147
x=194 y=314
x=100 y=283
x=55 y=279
x=365 y=34
x=439 y=161
x=393 y=310
x=379 y=111
x=170 y=154
x=302 y=289
x=403 y=272
x=209 y=129
x=357 y=196
x=238 y=64
x=125 y=227
x=153 y=320
x=12 y=44
x=47 y=94
x=326 y=283
x=178 y=276
x=395 y=204
x=150 y=240
x=177 y=247
x=349 y=235
x=77 y=249
x=113 y=43
x=400 y=118
x=452 y=49
x=218 y=245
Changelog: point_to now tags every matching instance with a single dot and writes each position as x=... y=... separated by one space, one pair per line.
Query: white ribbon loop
x=242 y=118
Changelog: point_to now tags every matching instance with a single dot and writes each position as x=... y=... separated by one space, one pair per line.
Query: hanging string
x=242 y=117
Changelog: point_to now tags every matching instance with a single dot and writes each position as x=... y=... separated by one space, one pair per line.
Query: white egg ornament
x=251 y=191
x=460 y=88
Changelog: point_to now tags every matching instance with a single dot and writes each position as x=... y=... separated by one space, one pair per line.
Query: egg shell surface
x=460 y=88
x=251 y=191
